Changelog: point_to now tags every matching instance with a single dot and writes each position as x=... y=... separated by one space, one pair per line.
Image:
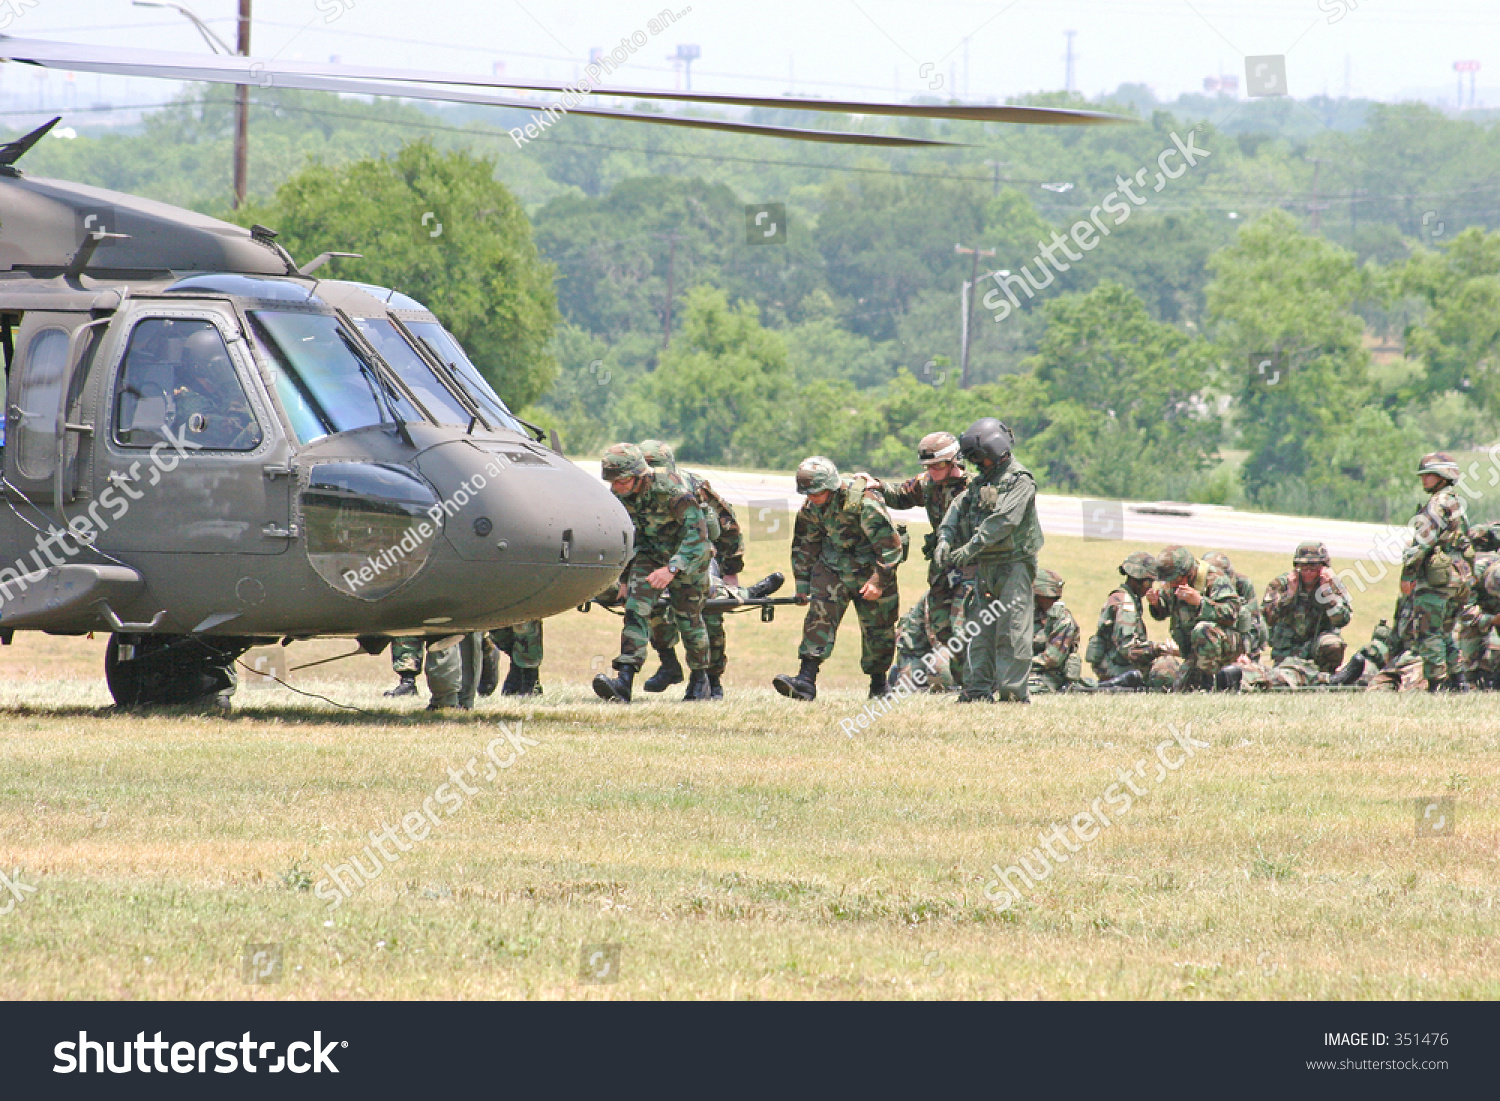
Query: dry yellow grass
x=749 y=848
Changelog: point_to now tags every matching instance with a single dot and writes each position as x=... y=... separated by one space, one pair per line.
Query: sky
x=866 y=49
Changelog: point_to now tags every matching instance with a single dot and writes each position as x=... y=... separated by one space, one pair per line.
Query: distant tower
x=1068 y=82
x=685 y=56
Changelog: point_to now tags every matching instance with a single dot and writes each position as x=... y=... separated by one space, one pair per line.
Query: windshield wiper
x=376 y=384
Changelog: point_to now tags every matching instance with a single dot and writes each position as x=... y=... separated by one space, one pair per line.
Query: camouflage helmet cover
x=623 y=460
x=659 y=455
x=817 y=475
x=1492 y=580
x=1048 y=583
x=1220 y=561
x=1139 y=565
x=1440 y=463
x=1311 y=553
x=938 y=447
x=1174 y=562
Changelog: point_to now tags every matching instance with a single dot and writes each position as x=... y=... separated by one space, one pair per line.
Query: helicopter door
x=187 y=451
x=53 y=353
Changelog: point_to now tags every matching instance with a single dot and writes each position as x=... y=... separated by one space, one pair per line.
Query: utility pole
x=967 y=303
x=666 y=338
x=1315 y=208
x=997 y=166
x=1069 y=78
x=242 y=115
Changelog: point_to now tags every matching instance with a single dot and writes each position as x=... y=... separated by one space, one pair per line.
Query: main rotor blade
x=178 y=65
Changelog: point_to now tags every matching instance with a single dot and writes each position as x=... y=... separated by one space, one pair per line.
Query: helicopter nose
x=529 y=509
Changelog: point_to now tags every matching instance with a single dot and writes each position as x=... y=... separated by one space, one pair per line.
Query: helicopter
x=208 y=447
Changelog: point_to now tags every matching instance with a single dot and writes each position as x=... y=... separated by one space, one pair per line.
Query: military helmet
x=1311 y=553
x=1139 y=565
x=1440 y=463
x=1174 y=562
x=623 y=460
x=659 y=455
x=938 y=447
x=1220 y=561
x=817 y=475
x=986 y=438
x=1048 y=583
x=1492 y=580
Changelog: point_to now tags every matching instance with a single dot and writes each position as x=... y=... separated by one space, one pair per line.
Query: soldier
x=523 y=644
x=1204 y=609
x=1055 y=664
x=1251 y=627
x=845 y=548
x=1305 y=609
x=938 y=616
x=993 y=525
x=1475 y=634
x=729 y=559
x=208 y=403
x=671 y=559
x=1436 y=576
x=1370 y=659
x=1120 y=652
x=1290 y=672
x=406 y=663
x=454 y=665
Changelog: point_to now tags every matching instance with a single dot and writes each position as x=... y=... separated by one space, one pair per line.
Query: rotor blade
x=178 y=65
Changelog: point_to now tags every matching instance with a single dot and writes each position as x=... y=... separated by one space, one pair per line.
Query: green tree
x=439 y=228
x=1458 y=341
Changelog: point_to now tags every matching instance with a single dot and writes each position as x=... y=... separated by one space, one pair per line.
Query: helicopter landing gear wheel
x=171 y=670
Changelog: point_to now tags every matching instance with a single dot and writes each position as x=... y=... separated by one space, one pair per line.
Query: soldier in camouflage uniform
x=993 y=526
x=1251 y=627
x=845 y=548
x=1289 y=672
x=1120 y=653
x=1436 y=577
x=729 y=559
x=1305 y=609
x=406 y=663
x=1055 y=664
x=1476 y=634
x=671 y=557
x=523 y=644
x=938 y=616
x=1204 y=609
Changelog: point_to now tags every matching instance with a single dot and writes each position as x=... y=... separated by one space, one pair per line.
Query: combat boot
x=515 y=681
x=668 y=674
x=1132 y=681
x=973 y=697
x=489 y=672
x=1351 y=672
x=406 y=687
x=803 y=686
x=697 y=688
x=765 y=586
x=715 y=689
x=1228 y=679
x=615 y=689
x=878 y=686
x=1191 y=679
x=533 y=685
x=1456 y=683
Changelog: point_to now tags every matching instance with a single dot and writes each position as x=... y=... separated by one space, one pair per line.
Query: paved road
x=1200 y=527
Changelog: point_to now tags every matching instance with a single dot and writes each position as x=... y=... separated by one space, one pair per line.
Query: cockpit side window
x=38 y=398
x=177 y=385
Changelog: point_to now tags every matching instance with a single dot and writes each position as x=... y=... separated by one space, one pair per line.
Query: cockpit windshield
x=413 y=370
x=442 y=345
x=324 y=385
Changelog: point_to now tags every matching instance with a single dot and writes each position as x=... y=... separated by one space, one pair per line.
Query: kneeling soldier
x=1054 y=638
x=1204 y=608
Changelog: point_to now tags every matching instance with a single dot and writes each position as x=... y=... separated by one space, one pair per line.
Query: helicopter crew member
x=406 y=663
x=672 y=553
x=939 y=612
x=993 y=525
x=453 y=669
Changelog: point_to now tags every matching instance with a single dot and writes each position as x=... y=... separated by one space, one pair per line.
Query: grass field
x=749 y=848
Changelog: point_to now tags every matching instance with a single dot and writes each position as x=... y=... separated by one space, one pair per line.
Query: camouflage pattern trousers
x=928 y=625
x=406 y=655
x=1210 y=647
x=830 y=598
x=1424 y=627
x=681 y=601
x=1000 y=607
x=523 y=643
x=664 y=635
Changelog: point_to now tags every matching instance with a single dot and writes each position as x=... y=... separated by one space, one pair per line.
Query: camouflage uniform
x=406 y=655
x=1120 y=645
x=1436 y=576
x=1476 y=634
x=523 y=643
x=1204 y=632
x=938 y=615
x=993 y=525
x=729 y=553
x=836 y=548
x=1251 y=627
x=1055 y=663
x=1305 y=622
x=669 y=531
x=921 y=660
x=1291 y=672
